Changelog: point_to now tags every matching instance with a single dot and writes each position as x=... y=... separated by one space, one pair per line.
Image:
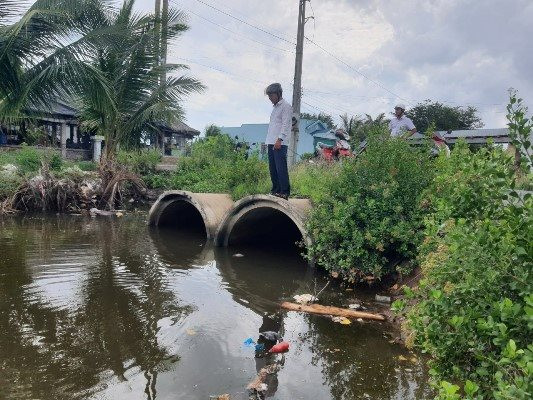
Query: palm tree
x=42 y=54
x=105 y=59
x=140 y=101
x=359 y=128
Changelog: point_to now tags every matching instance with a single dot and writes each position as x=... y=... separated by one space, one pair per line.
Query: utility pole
x=297 y=89
x=157 y=45
x=164 y=39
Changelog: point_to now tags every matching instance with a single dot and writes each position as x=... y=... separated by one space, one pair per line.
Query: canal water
x=107 y=308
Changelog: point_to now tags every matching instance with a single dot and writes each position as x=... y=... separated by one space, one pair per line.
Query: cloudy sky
x=460 y=52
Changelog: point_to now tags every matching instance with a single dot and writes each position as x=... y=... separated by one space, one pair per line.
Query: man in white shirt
x=400 y=125
x=277 y=140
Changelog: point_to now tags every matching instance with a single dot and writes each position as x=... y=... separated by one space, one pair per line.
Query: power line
x=331 y=104
x=315 y=107
x=329 y=53
x=233 y=32
x=245 y=22
x=214 y=68
x=309 y=40
x=355 y=69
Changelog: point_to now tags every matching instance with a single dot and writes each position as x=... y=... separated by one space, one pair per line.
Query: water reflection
x=104 y=308
x=50 y=351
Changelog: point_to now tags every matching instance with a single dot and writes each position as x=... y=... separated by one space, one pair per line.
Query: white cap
x=402 y=106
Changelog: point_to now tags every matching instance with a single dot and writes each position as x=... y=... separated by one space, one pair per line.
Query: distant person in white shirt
x=277 y=139
x=400 y=125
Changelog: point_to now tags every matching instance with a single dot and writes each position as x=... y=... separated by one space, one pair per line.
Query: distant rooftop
x=255 y=134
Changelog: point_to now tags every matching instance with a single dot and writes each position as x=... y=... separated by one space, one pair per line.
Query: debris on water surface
x=249 y=342
x=271 y=336
x=341 y=320
x=383 y=299
x=280 y=348
x=355 y=306
x=258 y=385
x=191 y=332
x=220 y=397
x=305 y=298
x=238 y=255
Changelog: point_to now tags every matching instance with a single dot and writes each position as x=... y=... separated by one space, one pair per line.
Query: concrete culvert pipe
x=265 y=220
x=190 y=211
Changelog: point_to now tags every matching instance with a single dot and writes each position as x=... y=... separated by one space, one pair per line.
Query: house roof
x=471 y=133
x=477 y=136
x=55 y=109
x=256 y=133
x=178 y=127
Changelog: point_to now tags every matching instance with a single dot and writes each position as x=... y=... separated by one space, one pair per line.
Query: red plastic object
x=280 y=348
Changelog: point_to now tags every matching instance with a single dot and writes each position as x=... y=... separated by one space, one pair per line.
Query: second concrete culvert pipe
x=264 y=219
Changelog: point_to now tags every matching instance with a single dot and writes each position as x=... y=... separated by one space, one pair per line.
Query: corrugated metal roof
x=478 y=133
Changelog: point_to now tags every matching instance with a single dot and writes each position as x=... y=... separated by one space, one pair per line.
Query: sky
x=371 y=55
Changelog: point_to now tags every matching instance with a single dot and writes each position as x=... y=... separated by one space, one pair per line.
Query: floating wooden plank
x=329 y=310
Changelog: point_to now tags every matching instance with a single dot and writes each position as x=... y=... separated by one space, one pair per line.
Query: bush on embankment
x=142 y=162
x=368 y=218
x=216 y=165
x=473 y=310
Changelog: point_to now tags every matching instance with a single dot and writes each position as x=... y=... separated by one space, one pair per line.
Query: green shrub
x=28 y=159
x=9 y=182
x=312 y=180
x=474 y=313
x=247 y=177
x=369 y=217
x=216 y=166
x=55 y=162
x=87 y=165
x=159 y=180
x=140 y=161
x=34 y=135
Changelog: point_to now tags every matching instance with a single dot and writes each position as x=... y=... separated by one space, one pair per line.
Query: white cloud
x=459 y=51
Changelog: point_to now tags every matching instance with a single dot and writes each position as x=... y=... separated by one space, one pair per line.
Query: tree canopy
x=444 y=117
x=212 y=130
x=325 y=118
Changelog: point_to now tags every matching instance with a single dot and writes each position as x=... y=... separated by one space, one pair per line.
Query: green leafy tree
x=42 y=54
x=212 y=130
x=444 y=117
x=325 y=118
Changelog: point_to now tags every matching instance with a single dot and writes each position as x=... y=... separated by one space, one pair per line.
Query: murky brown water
x=107 y=309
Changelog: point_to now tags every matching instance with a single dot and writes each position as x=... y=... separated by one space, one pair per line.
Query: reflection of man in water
x=263 y=359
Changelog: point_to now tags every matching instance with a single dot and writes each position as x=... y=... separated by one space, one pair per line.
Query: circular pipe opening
x=264 y=227
x=183 y=216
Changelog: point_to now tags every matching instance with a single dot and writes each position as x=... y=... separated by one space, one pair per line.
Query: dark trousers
x=279 y=172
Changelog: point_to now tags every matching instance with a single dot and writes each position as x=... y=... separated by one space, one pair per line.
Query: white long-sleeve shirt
x=280 y=123
x=398 y=126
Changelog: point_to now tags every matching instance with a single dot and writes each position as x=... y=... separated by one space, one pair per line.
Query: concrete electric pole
x=297 y=89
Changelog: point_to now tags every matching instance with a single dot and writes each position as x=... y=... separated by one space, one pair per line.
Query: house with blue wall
x=311 y=132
